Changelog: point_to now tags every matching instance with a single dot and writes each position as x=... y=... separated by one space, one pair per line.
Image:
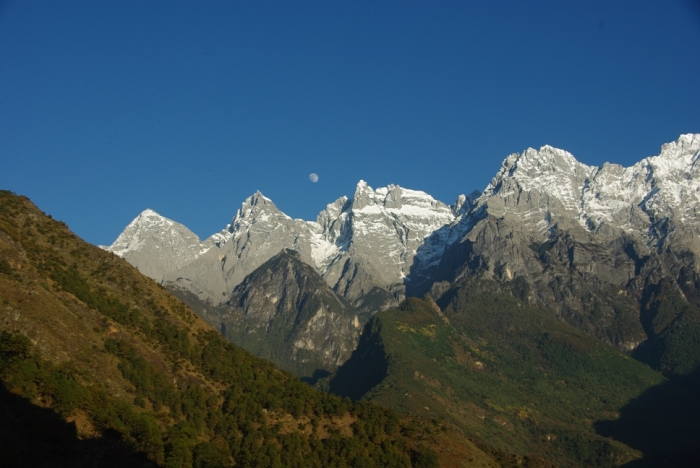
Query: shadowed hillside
x=34 y=436
x=663 y=423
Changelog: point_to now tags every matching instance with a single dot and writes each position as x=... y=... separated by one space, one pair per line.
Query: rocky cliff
x=285 y=312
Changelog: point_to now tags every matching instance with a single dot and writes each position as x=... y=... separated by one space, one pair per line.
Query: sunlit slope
x=505 y=373
x=137 y=378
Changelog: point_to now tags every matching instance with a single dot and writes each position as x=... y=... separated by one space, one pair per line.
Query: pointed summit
x=363 y=196
x=147 y=224
x=156 y=245
x=547 y=159
x=148 y=218
x=257 y=198
x=686 y=144
x=149 y=213
x=253 y=207
x=306 y=326
x=362 y=186
x=551 y=172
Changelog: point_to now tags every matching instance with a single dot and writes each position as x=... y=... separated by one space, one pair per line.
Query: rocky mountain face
x=363 y=247
x=285 y=312
x=585 y=242
x=590 y=244
x=141 y=243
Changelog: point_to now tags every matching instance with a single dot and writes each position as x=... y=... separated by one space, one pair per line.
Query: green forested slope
x=505 y=373
x=135 y=377
x=672 y=324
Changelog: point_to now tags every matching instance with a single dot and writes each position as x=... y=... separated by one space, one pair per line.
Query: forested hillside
x=515 y=377
x=125 y=373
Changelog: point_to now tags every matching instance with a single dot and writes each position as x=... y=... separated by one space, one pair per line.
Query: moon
x=313 y=177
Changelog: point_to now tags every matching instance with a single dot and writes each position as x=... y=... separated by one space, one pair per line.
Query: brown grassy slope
x=62 y=326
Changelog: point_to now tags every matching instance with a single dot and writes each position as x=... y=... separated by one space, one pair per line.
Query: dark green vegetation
x=513 y=376
x=128 y=375
x=673 y=326
x=34 y=435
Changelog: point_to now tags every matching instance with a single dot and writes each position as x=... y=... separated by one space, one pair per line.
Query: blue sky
x=111 y=107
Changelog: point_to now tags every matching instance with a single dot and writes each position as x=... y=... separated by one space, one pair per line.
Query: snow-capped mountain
x=588 y=241
x=356 y=244
x=559 y=188
x=575 y=233
x=377 y=234
x=142 y=244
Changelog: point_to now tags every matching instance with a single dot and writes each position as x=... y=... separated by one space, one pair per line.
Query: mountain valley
x=516 y=377
x=101 y=366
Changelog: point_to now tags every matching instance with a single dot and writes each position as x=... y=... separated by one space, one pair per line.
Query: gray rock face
x=377 y=235
x=257 y=233
x=157 y=245
x=284 y=311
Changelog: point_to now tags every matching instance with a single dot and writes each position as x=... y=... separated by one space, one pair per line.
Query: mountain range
x=552 y=320
x=101 y=366
x=596 y=246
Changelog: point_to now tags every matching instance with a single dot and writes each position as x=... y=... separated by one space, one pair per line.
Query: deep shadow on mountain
x=423 y=274
x=31 y=436
x=663 y=423
x=316 y=376
x=365 y=369
x=672 y=324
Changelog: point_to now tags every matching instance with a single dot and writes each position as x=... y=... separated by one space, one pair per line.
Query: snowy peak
x=156 y=245
x=678 y=161
x=685 y=149
x=382 y=229
x=543 y=187
x=255 y=205
x=394 y=199
x=150 y=226
x=149 y=213
x=384 y=235
x=671 y=181
x=254 y=210
x=550 y=171
x=533 y=164
x=258 y=199
x=148 y=219
x=364 y=197
x=660 y=187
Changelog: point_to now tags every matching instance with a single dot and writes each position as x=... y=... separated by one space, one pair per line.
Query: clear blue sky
x=111 y=107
